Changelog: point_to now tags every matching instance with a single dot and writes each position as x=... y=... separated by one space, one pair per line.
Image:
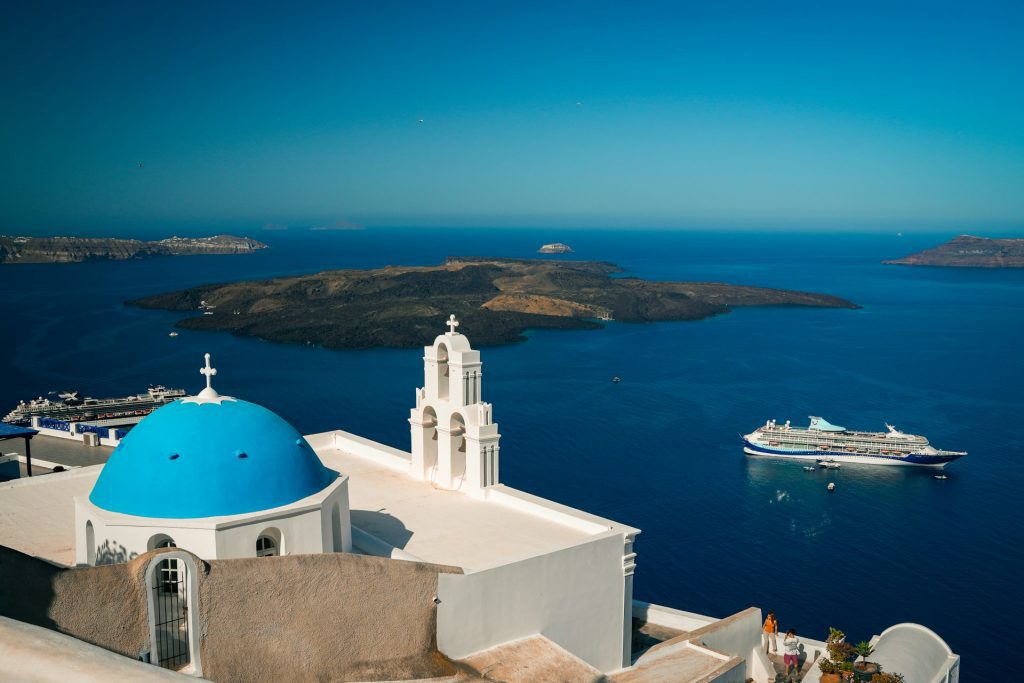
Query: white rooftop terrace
x=449 y=527
x=37 y=515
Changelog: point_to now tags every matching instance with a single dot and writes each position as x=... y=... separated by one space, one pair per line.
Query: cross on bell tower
x=452 y=323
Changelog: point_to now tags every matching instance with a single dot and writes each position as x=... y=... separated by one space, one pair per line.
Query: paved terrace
x=448 y=527
x=66 y=452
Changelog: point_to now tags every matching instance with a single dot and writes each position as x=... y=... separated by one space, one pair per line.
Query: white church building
x=249 y=485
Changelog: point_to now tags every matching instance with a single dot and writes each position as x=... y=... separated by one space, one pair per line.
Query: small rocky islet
x=497 y=299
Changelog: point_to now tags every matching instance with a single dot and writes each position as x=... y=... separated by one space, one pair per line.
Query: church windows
x=265 y=547
x=269 y=543
x=90 y=544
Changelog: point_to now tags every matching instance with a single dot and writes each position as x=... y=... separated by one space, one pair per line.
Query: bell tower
x=454 y=437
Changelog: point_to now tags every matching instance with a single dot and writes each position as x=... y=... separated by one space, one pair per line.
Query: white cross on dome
x=209 y=371
x=452 y=323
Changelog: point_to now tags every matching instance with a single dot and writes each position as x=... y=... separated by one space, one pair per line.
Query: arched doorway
x=172 y=618
x=443 y=371
x=457 y=434
x=429 y=444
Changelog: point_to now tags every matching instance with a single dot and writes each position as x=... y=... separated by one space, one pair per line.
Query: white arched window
x=90 y=544
x=269 y=543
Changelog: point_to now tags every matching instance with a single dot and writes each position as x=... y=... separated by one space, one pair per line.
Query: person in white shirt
x=791 y=651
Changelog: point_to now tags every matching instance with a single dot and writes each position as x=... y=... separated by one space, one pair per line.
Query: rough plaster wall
x=105 y=606
x=333 y=616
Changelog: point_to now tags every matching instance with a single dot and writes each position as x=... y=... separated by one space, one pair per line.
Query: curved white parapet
x=31 y=653
x=918 y=653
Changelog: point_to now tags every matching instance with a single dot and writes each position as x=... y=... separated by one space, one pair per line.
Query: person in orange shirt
x=771 y=628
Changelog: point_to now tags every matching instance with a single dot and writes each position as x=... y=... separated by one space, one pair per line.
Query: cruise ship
x=823 y=441
x=68 y=406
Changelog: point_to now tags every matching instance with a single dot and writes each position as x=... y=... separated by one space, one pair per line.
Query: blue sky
x=782 y=114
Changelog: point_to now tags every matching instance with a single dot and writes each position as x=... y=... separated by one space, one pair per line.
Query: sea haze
x=933 y=351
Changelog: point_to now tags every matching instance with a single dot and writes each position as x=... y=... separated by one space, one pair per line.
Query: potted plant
x=863 y=650
x=837 y=667
x=886 y=677
x=829 y=671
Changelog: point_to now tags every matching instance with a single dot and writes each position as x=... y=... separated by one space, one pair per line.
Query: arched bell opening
x=443 y=371
x=457 y=435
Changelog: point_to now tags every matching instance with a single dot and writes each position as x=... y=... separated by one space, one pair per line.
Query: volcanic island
x=21 y=249
x=968 y=251
x=498 y=299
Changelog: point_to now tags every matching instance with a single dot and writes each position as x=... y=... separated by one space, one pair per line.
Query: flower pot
x=829 y=678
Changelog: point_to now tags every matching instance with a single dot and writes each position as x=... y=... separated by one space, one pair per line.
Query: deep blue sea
x=933 y=351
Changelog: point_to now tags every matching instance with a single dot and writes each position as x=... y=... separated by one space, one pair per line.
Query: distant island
x=78 y=249
x=968 y=251
x=495 y=299
x=556 y=248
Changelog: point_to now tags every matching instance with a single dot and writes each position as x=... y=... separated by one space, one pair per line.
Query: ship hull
x=912 y=460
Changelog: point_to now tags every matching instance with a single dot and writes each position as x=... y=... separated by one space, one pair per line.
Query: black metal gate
x=170 y=608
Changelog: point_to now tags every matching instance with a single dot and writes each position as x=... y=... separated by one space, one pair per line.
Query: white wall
x=918 y=653
x=305 y=527
x=740 y=635
x=573 y=596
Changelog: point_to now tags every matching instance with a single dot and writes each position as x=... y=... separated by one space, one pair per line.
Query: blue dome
x=206 y=459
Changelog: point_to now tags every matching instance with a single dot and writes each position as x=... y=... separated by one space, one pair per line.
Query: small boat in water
x=941 y=476
x=173 y=334
x=616 y=379
x=831 y=486
x=829 y=464
x=810 y=469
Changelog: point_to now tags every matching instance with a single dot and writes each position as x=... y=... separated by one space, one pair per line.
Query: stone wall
x=105 y=606
x=332 y=616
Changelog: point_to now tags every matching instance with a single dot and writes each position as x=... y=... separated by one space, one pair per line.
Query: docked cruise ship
x=825 y=441
x=68 y=406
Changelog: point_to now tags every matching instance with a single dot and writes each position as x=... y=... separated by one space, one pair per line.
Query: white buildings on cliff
x=275 y=556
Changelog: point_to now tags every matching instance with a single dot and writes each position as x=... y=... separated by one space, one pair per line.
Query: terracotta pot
x=829 y=678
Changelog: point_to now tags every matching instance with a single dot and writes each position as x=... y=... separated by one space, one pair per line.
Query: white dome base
x=319 y=523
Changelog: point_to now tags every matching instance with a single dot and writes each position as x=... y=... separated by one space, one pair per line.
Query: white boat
x=822 y=440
